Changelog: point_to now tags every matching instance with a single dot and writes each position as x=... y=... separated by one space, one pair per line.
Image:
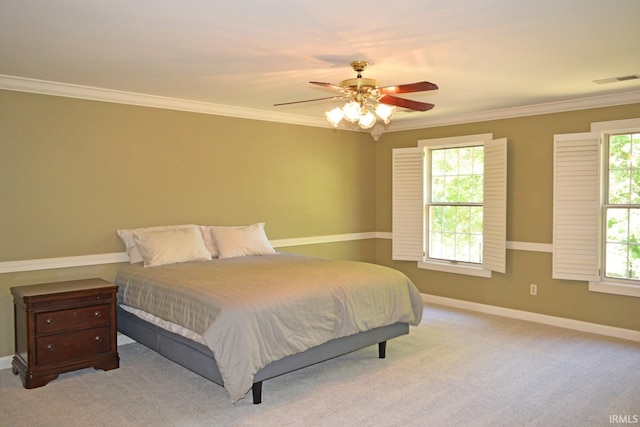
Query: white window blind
x=407 y=204
x=576 y=207
x=494 y=227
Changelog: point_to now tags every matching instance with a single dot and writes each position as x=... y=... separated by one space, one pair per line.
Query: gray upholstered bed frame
x=199 y=359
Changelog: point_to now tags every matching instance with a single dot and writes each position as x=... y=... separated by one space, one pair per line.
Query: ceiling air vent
x=617 y=79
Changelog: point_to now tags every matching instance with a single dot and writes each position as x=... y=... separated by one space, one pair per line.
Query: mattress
x=164 y=324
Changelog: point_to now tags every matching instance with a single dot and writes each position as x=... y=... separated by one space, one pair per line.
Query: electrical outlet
x=533 y=289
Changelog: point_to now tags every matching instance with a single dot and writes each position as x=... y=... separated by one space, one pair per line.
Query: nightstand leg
x=113 y=363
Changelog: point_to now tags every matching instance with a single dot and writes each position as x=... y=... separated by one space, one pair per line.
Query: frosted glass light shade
x=367 y=120
x=334 y=116
x=385 y=112
x=351 y=111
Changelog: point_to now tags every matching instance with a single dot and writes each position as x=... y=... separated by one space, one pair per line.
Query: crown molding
x=43 y=87
x=528 y=110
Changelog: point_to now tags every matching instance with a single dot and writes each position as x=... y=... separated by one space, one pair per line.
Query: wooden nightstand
x=64 y=326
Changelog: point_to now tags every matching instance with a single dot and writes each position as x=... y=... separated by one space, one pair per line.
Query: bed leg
x=382 y=349
x=256 y=388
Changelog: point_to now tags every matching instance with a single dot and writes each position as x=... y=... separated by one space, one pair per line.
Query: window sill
x=615 y=288
x=465 y=269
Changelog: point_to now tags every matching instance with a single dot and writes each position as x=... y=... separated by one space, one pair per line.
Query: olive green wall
x=529 y=219
x=73 y=171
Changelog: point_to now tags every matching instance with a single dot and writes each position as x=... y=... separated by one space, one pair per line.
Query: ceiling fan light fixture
x=385 y=112
x=367 y=119
x=334 y=116
x=364 y=96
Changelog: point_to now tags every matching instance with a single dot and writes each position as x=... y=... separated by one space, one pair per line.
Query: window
x=449 y=204
x=622 y=207
x=596 y=213
x=454 y=204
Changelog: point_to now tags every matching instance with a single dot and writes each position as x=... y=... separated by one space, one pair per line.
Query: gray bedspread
x=252 y=311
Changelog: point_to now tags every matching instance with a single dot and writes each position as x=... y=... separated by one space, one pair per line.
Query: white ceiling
x=485 y=55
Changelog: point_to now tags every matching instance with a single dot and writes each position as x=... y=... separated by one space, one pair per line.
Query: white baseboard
x=5 y=362
x=577 y=325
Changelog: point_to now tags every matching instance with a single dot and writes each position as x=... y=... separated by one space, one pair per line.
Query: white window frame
x=409 y=228
x=579 y=169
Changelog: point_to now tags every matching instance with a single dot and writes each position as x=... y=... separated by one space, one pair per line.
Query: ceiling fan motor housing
x=359 y=84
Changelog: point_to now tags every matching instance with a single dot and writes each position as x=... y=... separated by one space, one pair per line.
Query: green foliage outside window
x=622 y=208
x=455 y=204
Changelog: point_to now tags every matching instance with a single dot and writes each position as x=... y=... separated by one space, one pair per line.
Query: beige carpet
x=456 y=369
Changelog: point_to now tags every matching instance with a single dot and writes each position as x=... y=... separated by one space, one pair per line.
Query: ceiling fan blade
x=307 y=100
x=406 y=103
x=407 y=88
x=327 y=85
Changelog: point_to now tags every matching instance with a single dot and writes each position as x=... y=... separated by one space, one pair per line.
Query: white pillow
x=241 y=240
x=209 y=242
x=170 y=246
x=130 y=244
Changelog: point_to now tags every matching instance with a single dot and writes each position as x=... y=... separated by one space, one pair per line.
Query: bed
x=243 y=319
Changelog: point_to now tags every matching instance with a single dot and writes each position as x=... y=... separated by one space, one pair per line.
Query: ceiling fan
x=362 y=93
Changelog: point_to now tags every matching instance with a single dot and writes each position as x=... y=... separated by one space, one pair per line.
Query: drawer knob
x=97 y=313
x=98 y=338
x=49 y=347
x=49 y=321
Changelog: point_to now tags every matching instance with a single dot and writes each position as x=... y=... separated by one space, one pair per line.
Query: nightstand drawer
x=78 y=318
x=74 y=345
x=71 y=302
